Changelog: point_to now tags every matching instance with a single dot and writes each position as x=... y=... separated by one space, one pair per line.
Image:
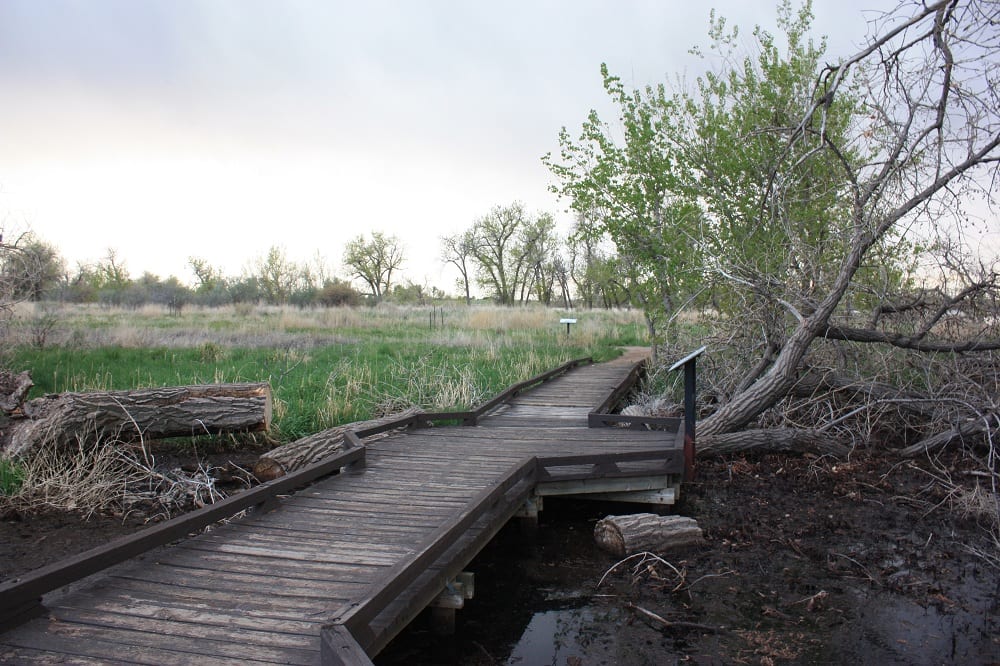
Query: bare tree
x=459 y=250
x=495 y=238
x=277 y=276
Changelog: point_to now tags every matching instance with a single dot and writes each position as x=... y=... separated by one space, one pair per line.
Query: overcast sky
x=218 y=128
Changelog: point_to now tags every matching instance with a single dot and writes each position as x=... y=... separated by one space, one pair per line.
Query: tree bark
x=14 y=389
x=181 y=411
x=296 y=455
x=640 y=532
x=772 y=440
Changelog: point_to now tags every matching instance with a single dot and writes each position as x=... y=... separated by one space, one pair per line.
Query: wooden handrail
x=623 y=387
x=601 y=416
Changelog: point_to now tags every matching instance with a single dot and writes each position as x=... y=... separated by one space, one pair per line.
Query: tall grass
x=326 y=366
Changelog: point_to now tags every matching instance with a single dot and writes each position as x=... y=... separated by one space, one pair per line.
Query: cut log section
x=302 y=452
x=64 y=419
x=645 y=532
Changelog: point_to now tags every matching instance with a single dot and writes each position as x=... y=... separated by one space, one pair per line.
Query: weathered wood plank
x=147 y=613
x=266 y=606
x=71 y=642
x=207 y=640
x=236 y=582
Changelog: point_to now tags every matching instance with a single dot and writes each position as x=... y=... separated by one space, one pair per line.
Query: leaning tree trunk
x=640 y=532
x=302 y=452
x=66 y=419
x=780 y=377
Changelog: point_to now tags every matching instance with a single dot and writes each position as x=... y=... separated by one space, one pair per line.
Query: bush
x=336 y=293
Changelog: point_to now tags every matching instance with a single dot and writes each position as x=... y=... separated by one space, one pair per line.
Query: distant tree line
x=33 y=270
x=516 y=258
x=507 y=256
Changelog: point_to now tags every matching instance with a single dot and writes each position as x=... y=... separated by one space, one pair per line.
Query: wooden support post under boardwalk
x=451 y=599
x=690 y=375
x=528 y=515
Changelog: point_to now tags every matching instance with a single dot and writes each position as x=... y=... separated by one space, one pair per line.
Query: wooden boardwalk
x=363 y=551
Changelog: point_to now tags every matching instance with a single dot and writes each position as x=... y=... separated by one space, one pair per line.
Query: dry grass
x=108 y=477
x=93 y=479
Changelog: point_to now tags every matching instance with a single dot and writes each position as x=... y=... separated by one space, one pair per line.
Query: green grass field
x=326 y=366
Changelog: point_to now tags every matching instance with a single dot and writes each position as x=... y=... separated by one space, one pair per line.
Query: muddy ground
x=804 y=562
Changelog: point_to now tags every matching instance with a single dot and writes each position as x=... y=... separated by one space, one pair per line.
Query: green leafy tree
x=374 y=261
x=785 y=185
x=629 y=189
x=209 y=278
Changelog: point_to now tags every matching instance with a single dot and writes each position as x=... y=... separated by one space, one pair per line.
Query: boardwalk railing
x=489 y=510
x=603 y=416
x=20 y=598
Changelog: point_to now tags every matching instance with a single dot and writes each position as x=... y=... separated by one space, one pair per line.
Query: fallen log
x=645 y=532
x=65 y=419
x=975 y=429
x=302 y=452
x=772 y=440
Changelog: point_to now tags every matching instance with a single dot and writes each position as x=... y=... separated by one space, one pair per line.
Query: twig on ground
x=670 y=624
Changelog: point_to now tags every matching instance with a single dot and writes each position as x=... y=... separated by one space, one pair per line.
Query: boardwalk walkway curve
x=332 y=572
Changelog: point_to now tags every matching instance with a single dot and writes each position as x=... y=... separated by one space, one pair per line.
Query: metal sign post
x=688 y=363
x=568 y=322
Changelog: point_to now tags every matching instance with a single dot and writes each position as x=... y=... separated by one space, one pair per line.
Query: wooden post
x=528 y=515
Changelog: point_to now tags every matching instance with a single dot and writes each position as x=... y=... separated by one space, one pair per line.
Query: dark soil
x=805 y=561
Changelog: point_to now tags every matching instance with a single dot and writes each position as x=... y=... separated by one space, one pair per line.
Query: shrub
x=336 y=293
